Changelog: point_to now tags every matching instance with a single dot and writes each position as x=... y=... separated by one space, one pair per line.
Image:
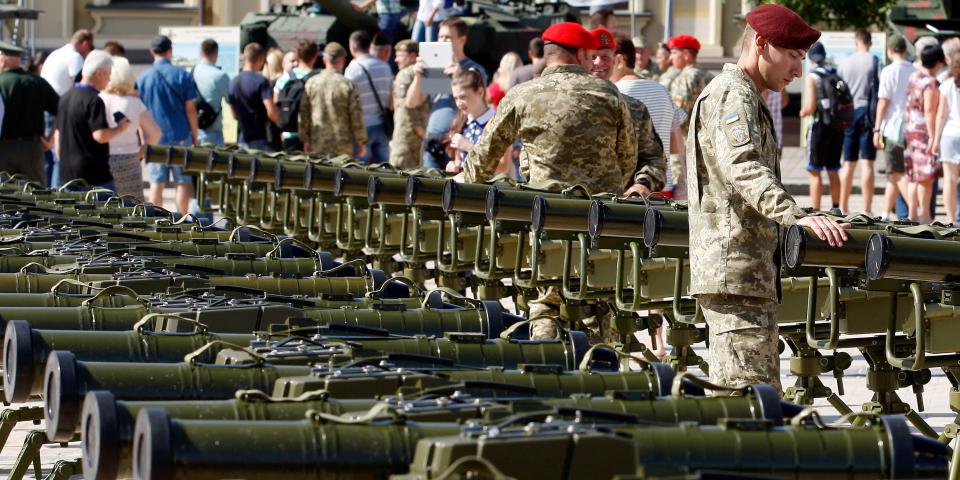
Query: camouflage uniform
x=331 y=119
x=737 y=205
x=652 y=72
x=650 y=161
x=575 y=129
x=685 y=89
x=666 y=78
x=409 y=124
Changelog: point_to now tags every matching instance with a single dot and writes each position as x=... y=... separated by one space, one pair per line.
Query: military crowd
x=588 y=111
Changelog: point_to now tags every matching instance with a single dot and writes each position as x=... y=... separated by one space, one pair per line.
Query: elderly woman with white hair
x=126 y=149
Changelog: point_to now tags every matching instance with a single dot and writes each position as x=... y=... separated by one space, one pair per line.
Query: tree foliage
x=840 y=14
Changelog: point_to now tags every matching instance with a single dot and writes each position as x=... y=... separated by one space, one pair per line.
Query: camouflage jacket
x=409 y=124
x=650 y=164
x=652 y=72
x=331 y=119
x=686 y=88
x=737 y=203
x=575 y=129
x=666 y=78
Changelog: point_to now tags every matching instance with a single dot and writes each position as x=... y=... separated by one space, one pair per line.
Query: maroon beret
x=684 y=41
x=782 y=26
x=604 y=38
x=570 y=34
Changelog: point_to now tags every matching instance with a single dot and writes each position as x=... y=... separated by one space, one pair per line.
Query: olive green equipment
x=539 y=446
x=393 y=227
x=107 y=426
x=355 y=215
x=423 y=226
x=465 y=237
x=67 y=380
x=316 y=447
x=167 y=338
x=141 y=281
x=374 y=377
x=874 y=315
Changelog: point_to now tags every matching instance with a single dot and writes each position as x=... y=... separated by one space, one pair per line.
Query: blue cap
x=817 y=53
x=161 y=44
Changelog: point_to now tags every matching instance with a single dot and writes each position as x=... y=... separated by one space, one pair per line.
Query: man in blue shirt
x=170 y=96
x=212 y=84
x=444 y=109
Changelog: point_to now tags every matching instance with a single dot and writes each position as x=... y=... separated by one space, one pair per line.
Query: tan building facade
x=718 y=24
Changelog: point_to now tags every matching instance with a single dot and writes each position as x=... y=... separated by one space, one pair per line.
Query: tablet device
x=435 y=56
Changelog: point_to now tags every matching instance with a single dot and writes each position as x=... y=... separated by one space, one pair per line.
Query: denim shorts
x=160 y=173
x=949 y=149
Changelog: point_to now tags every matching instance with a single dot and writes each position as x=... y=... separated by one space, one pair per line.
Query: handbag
x=387 y=119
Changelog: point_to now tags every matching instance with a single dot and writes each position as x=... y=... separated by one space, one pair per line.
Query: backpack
x=834 y=101
x=288 y=101
x=206 y=114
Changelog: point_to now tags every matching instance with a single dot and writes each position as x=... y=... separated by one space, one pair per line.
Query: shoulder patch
x=737 y=133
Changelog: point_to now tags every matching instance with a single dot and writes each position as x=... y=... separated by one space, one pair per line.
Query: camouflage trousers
x=743 y=340
x=545 y=319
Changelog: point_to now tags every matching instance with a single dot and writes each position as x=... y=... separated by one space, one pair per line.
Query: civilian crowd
x=78 y=117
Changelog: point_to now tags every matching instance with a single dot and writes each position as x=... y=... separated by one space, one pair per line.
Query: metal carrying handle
x=261 y=396
x=116 y=290
x=375 y=413
x=445 y=291
x=471 y=464
x=829 y=343
x=357 y=263
x=290 y=240
x=191 y=358
x=141 y=325
x=234 y=234
x=697 y=316
x=587 y=360
x=375 y=295
x=55 y=289
x=677 y=389
x=75 y=181
x=918 y=360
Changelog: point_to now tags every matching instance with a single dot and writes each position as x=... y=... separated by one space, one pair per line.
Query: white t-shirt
x=61 y=68
x=952 y=93
x=427 y=6
x=127 y=142
x=662 y=110
x=893 y=87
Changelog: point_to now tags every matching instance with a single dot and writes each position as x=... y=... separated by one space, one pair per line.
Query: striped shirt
x=663 y=112
x=380 y=76
x=386 y=7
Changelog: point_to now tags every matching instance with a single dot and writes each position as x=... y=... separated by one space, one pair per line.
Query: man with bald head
x=737 y=203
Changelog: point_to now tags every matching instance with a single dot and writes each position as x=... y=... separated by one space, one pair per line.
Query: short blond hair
x=121 y=78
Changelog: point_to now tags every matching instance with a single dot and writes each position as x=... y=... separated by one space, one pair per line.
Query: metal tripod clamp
x=829 y=343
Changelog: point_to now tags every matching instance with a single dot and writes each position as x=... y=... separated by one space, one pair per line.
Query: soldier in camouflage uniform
x=666 y=78
x=684 y=89
x=646 y=68
x=410 y=124
x=738 y=204
x=648 y=173
x=575 y=129
x=331 y=118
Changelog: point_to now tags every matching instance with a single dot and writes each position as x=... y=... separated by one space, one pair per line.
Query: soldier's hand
x=639 y=189
x=827 y=229
x=419 y=68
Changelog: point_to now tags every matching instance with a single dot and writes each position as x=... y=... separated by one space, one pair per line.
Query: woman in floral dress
x=920 y=166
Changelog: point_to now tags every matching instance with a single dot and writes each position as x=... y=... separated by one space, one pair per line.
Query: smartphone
x=117 y=116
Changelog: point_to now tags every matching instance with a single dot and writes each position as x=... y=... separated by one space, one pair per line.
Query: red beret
x=570 y=34
x=604 y=38
x=684 y=41
x=782 y=26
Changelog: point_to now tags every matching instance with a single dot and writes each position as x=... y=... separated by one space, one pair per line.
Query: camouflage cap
x=334 y=50
x=408 y=46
